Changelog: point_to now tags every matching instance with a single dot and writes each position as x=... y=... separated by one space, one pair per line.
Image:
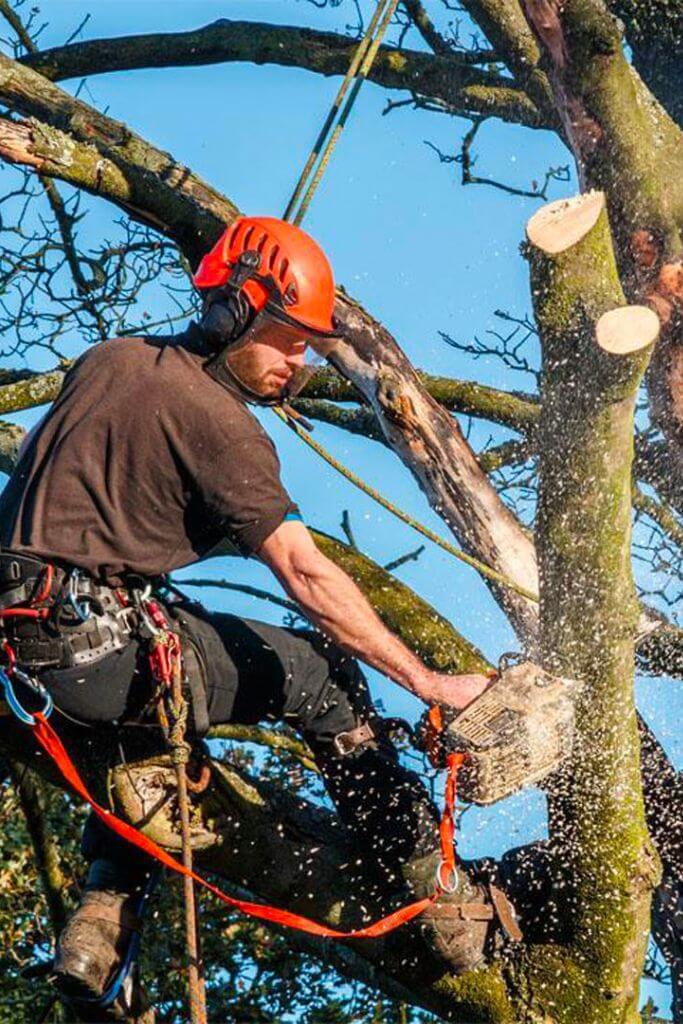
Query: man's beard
x=243 y=364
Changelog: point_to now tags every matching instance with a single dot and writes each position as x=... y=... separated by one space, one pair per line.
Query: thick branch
x=506 y=28
x=431 y=444
x=446 y=79
x=510 y=409
x=68 y=139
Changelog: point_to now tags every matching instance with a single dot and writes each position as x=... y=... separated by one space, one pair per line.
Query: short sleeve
x=241 y=488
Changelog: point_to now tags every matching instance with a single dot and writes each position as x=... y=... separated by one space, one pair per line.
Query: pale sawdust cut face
x=560 y=225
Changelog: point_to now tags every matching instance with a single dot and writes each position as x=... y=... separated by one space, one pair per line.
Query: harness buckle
x=346 y=742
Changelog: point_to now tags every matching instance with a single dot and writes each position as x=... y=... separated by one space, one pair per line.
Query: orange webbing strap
x=51 y=743
x=447 y=875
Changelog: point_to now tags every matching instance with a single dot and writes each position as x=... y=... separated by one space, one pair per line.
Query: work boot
x=464 y=926
x=91 y=951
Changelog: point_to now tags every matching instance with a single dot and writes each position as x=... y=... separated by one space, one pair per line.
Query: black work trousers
x=255 y=672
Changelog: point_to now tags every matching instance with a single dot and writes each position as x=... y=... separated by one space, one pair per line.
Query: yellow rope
x=359 y=68
x=481 y=567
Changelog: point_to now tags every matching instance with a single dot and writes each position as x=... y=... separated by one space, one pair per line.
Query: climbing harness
x=166 y=664
x=295 y=422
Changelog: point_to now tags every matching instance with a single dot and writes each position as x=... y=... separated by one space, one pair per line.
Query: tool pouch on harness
x=56 y=618
x=515 y=734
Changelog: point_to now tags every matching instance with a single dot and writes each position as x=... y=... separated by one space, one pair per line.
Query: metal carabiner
x=82 y=611
x=15 y=705
x=451 y=885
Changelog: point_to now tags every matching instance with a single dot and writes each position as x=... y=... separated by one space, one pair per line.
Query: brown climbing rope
x=165 y=657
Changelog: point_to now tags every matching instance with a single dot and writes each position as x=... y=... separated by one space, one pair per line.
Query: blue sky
x=421 y=252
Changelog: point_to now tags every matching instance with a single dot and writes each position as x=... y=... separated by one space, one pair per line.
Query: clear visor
x=274 y=360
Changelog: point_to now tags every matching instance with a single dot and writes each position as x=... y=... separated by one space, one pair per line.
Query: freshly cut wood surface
x=559 y=225
x=627 y=329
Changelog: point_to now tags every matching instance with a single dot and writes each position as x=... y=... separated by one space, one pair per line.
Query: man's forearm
x=335 y=604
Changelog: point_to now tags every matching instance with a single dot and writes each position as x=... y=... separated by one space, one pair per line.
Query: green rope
x=481 y=567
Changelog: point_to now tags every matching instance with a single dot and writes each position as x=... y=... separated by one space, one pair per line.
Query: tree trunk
x=589 y=611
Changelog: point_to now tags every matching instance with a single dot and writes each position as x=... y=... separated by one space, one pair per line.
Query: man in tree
x=151 y=459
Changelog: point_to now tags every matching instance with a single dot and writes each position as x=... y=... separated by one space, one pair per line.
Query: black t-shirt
x=143 y=464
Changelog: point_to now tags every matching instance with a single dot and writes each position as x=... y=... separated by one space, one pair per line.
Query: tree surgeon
x=149 y=460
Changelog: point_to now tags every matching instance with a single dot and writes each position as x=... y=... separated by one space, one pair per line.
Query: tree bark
x=588 y=615
x=626 y=144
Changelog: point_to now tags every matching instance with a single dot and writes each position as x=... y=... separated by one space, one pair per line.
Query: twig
x=467 y=162
x=411 y=556
x=348 y=532
x=277 y=741
x=243 y=588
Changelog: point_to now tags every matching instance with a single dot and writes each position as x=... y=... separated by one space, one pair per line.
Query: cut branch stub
x=627 y=330
x=559 y=225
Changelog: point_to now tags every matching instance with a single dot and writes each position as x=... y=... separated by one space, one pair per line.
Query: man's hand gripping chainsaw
x=515 y=733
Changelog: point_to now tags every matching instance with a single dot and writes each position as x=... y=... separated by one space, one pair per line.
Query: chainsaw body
x=515 y=734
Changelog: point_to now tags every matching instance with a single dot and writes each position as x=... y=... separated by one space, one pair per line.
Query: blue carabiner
x=13 y=701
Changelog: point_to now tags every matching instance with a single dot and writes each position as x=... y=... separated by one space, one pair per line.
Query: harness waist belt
x=79 y=621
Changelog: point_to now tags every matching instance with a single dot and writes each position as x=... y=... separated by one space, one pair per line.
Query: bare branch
x=467 y=162
x=447 y=78
x=279 y=742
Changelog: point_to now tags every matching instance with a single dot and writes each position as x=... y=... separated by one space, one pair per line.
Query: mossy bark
x=588 y=617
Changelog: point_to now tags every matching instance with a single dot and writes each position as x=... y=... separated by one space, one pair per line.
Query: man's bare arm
x=333 y=602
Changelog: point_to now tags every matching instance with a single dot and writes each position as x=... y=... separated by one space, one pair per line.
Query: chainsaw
x=517 y=732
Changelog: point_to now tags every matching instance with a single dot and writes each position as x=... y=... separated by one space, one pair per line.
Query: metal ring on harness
x=451 y=885
x=15 y=705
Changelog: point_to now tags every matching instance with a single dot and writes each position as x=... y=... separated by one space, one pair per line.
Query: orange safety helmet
x=285 y=271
